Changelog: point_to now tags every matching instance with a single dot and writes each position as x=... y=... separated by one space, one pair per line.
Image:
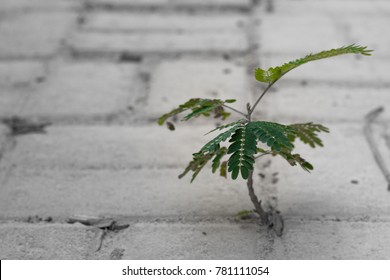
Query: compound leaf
x=272 y=134
x=275 y=73
x=199 y=107
x=307 y=133
x=227 y=125
x=243 y=148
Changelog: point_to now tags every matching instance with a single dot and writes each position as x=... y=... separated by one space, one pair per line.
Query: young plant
x=246 y=135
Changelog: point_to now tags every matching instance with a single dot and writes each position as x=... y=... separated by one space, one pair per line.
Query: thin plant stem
x=260 y=97
x=263 y=154
x=235 y=110
x=256 y=202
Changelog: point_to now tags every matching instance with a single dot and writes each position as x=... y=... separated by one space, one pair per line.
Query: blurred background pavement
x=97 y=73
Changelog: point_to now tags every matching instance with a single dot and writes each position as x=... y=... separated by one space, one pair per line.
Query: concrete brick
x=20 y=74
x=313 y=33
x=132 y=193
x=370 y=32
x=173 y=3
x=113 y=147
x=332 y=8
x=323 y=103
x=346 y=181
x=346 y=70
x=144 y=22
x=18 y=80
x=174 y=82
x=186 y=241
x=297 y=34
x=44 y=241
x=34 y=34
x=112 y=170
x=145 y=43
x=314 y=240
x=3 y=139
x=86 y=89
x=36 y=5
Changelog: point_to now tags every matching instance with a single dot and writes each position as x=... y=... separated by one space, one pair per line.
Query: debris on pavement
x=117 y=254
x=20 y=126
x=276 y=223
x=104 y=224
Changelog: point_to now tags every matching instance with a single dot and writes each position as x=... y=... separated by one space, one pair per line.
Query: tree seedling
x=251 y=139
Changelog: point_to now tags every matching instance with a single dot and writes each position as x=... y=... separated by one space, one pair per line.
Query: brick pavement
x=101 y=71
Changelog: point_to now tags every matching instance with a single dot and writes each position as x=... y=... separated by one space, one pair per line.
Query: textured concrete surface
x=177 y=81
x=77 y=90
x=45 y=241
x=178 y=240
x=101 y=72
x=34 y=34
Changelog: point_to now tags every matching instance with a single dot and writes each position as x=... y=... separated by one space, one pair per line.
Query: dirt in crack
x=21 y=126
x=106 y=225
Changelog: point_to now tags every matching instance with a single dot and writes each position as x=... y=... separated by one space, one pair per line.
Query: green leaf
x=307 y=133
x=203 y=107
x=183 y=107
x=272 y=134
x=268 y=76
x=294 y=159
x=217 y=160
x=245 y=214
x=213 y=145
x=243 y=148
x=275 y=73
x=197 y=164
x=199 y=107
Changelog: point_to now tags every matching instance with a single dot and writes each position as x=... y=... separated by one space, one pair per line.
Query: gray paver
x=175 y=82
x=147 y=22
x=296 y=34
x=332 y=8
x=313 y=33
x=114 y=170
x=112 y=147
x=133 y=193
x=313 y=103
x=15 y=6
x=174 y=3
x=145 y=43
x=186 y=241
x=312 y=240
x=20 y=74
x=348 y=71
x=18 y=80
x=44 y=241
x=34 y=34
x=3 y=138
x=340 y=211
x=12 y=101
x=86 y=89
